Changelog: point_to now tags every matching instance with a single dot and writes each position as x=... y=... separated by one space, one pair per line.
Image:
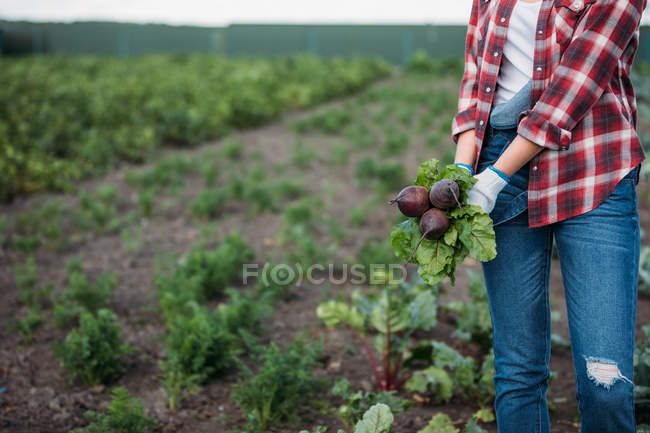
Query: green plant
x=26 y=278
x=473 y=322
x=197 y=348
x=396 y=143
x=441 y=423
x=244 y=312
x=209 y=203
x=124 y=414
x=97 y=212
x=81 y=295
x=275 y=281
x=233 y=149
x=375 y=253
x=303 y=154
x=393 y=314
x=218 y=268
x=331 y=121
x=29 y=324
x=283 y=385
x=450 y=373
x=355 y=404
x=93 y=351
x=124 y=109
x=386 y=176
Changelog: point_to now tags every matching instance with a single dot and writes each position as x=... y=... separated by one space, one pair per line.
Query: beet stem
x=417 y=246
x=396 y=199
x=455 y=198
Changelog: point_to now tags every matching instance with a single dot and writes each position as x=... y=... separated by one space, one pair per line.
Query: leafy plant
x=29 y=324
x=451 y=373
x=124 y=109
x=355 y=404
x=377 y=253
x=470 y=231
x=197 y=348
x=124 y=414
x=93 y=351
x=393 y=314
x=26 y=278
x=283 y=385
x=97 y=212
x=81 y=295
x=217 y=268
x=331 y=121
x=441 y=423
x=473 y=322
x=209 y=203
x=275 y=281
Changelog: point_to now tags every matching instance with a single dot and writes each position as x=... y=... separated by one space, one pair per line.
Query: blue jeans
x=599 y=260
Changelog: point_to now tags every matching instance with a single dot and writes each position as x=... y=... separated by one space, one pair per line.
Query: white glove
x=485 y=191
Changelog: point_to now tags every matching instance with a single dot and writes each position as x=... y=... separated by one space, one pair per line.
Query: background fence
x=395 y=43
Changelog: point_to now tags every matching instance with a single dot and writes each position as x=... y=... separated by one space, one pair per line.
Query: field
x=160 y=239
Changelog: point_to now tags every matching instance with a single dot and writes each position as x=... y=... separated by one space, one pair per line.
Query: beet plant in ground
x=387 y=317
x=473 y=321
x=283 y=387
x=379 y=419
x=470 y=230
x=93 y=352
x=451 y=374
x=355 y=404
x=124 y=414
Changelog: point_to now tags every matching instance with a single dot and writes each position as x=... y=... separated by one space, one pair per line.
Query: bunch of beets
x=430 y=205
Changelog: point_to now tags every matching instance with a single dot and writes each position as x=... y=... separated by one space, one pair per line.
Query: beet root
x=444 y=194
x=433 y=224
x=412 y=201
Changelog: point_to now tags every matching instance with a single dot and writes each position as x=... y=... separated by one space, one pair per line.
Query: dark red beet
x=412 y=201
x=444 y=194
x=433 y=224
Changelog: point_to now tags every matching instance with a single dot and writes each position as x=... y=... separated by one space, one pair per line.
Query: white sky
x=223 y=12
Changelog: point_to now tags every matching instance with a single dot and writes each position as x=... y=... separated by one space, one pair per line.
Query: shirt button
x=503 y=20
x=539 y=69
x=481 y=122
x=496 y=54
x=540 y=32
x=487 y=89
x=577 y=4
x=534 y=167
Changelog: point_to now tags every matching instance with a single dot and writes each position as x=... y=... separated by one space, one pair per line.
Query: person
x=547 y=118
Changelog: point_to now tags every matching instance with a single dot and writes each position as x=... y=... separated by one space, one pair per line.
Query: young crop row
x=66 y=118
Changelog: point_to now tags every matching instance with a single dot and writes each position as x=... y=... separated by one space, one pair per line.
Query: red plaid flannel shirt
x=584 y=110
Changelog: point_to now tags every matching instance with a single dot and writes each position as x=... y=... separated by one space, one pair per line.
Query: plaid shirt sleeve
x=583 y=73
x=465 y=119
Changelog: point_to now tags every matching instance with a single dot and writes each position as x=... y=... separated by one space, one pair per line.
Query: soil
x=35 y=395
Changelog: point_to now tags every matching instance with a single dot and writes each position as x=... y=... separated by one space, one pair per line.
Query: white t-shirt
x=517 y=60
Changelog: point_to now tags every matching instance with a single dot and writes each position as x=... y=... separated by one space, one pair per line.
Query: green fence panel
x=395 y=43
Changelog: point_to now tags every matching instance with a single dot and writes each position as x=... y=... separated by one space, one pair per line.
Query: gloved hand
x=485 y=191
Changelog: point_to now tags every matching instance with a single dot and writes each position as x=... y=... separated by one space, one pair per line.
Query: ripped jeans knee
x=604 y=372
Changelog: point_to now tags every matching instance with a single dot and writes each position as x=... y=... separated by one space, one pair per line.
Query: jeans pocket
x=510 y=202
